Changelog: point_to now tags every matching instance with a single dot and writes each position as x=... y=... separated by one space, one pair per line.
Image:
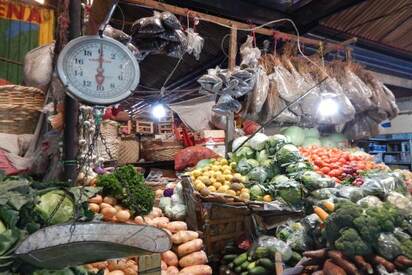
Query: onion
x=94 y=207
x=110 y=200
x=104 y=205
x=97 y=199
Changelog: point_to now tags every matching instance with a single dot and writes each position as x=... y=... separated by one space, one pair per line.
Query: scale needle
x=99 y=76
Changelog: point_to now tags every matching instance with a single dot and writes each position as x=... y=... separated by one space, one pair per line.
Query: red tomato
x=325 y=170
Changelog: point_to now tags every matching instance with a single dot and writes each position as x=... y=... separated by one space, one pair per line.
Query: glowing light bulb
x=159 y=111
x=328 y=107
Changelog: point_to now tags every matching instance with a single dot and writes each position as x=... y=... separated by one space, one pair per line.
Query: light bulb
x=159 y=111
x=328 y=107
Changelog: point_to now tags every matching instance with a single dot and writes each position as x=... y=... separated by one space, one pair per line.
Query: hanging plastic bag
x=140 y=56
x=117 y=34
x=226 y=105
x=260 y=92
x=195 y=43
x=250 y=54
x=148 y=25
x=154 y=46
x=211 y=82
x=357 y=91
x=170 y=21
x=363 y=126
x=246 y=80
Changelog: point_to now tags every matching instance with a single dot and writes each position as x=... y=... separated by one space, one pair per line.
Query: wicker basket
x=128 y=151
x=159 y=150
x=20 y=108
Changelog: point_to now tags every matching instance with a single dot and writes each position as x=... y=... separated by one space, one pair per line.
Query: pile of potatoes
x=220 y=176
x=186 y=257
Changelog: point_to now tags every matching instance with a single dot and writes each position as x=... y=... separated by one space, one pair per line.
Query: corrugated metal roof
x=382 y=21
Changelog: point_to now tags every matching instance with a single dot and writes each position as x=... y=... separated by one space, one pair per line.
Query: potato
x=116 y=272
x=196 y=270
x=184 y=236
x=97 y=199
x=163 y=265
x=195 y=258
x=108 y=212
x=170 y=258
x=138 y=220
x=110 y=200
x=160 y=222
x=172 y=270
x=94 y=207
x=189 y=247
x=123 y=215
x=176 y=226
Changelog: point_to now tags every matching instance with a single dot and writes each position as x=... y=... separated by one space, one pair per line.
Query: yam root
x=363 y=265
x=403 y=261
x=390 y=267
x=338 y=259
x=321 y=253
x=329 y=268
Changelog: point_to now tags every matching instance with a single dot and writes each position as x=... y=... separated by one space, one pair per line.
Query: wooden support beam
x=232 y=48
x=221 y=21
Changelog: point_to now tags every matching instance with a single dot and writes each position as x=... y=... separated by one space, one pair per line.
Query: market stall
x=253 y=170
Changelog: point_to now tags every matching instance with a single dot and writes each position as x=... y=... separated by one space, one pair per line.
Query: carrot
x=329 y=268
x=321 y=253
x=362 y=264
x=404 y=261
x=390 y=267
x=338 y=258
x=329 y=206
x=321 y=213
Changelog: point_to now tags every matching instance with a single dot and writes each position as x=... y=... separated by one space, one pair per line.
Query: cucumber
x=240 y=259
x=262 y=252
x=244 y=273
x=238 y=269
x=251 y=266
x=229 y=258
x=251 y=253
x=259 y=270
x=266 y=263
x=244 y=265
x=296 y=257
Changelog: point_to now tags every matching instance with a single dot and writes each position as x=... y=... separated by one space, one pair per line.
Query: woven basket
x=20 y=108
x=109 y=130
x=160 y=151
x=128 y=151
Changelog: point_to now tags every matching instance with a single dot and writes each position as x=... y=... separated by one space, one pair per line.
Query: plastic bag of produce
x=148 y=25
x=370 y=201
x=275 y=245
x=226 y=105
x=250 y=54
x=324 y=193
x=290 y=191
x=388 y=246
x=274 y=142
x=237 y=142
x=117 y=34
x=211 y=82
x=194 y=43
x=362 y=126
x=190 y=156
x=260 y=91
x=403 y=203
x=350 y=192
x=295 y=235
x=170 y=21
x=38 y=66
x=295 y=134
x=313 y=181
x=296 y=170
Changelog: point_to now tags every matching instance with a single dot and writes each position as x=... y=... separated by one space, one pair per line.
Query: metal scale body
x=100 y=71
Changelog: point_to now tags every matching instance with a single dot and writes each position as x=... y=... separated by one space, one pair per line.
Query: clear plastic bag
x=276 y=245
x=170 y=21
x=194 y=43
x=140 y=56
x=388 y=246
x=370 y=201
x=357 y=91
x=211 y=82
x=226 y=104
x=350 y=192
x=260 y=92
x=383 y=99
x=250 y=54
x=363 y=126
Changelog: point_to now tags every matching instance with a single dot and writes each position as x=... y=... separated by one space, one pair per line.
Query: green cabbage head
x=50 y=201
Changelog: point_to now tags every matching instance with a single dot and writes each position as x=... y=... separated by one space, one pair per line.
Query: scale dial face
x=99 y=71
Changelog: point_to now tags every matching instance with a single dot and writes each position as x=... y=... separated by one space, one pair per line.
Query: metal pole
x=71 y=105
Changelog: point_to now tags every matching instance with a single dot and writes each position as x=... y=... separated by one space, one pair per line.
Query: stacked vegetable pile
x=306 y=137
x=171 y=202
x=26 y=207
x=364 y=238
x=218 y=175
x=341 y=165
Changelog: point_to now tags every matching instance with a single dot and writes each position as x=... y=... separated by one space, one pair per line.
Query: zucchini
x=238 y=269
x=244 y=265
x=229 y=258
x=262 y=252
x=240 y=259
x=259 y=270
x=251 y=266
x=266 y=263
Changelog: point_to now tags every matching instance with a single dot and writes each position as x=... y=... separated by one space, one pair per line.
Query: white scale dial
x=98 y=70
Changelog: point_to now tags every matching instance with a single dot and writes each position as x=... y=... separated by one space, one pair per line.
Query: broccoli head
x=406 y=247
x=387 y=216
x=368 y=227
x=351 y=244
x=344 y=215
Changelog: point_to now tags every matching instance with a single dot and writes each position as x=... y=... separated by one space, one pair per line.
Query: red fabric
x=6 y=166
x=108 y=114
x=4 y=82
x=190 y=156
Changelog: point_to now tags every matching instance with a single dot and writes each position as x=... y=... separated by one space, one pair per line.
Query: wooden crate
x=220 y=222
x=144 y=127
x=165 y=127
x=150 y=264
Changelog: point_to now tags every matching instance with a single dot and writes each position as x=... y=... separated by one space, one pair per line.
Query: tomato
x=318 y=162
x=334 y=173
x=325 y=170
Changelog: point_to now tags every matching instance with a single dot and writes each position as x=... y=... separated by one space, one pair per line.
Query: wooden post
x=232 y=48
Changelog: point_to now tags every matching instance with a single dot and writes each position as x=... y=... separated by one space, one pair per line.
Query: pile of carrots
x=332 y=161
